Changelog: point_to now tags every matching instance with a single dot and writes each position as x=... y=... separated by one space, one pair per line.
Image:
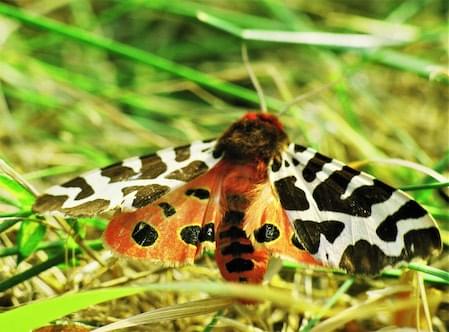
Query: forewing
x=174 y=229
x=347 y=218
x=130 y=184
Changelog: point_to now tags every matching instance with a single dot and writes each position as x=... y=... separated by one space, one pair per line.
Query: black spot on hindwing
x=144 y=235
x=198 y=193
x=291 y=197
x=191 y=234
x=309 y=232
x=388 y=229
x=168 y=209
x=207 y=233
x=266 y=233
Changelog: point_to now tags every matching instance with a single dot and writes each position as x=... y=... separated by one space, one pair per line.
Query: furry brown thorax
x=255 y=137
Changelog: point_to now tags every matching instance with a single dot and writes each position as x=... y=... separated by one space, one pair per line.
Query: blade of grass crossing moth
x=429 y=270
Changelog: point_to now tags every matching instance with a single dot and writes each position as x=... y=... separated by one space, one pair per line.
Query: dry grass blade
x=194 y=308
x=384 y=301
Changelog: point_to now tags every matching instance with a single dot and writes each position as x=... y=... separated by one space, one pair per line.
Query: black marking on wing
x=295 y=162
x=314 y=165
x=198 y=193
x=189 y=172
x=207 y=233
x=309 y=232
x=296 y=242
x=146 y=194
x=233 y=232
x=144 y=235
x=286 y=163
x=152 y=167
x=291 y=197
x=182 y=153
x=217 y=153
x=80 y=182
x=191 y=234
x=359 y=203
x=168 y=209
x=49 y=202
x=267 y=233
x=276 y=165
x=239 y=265
x=117 y=172
x=365 y=258
x=299 y=148
x=388 y=229
x=422 y=242
x=236 y=249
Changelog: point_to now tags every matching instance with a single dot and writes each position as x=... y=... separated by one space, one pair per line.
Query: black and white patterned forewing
x=129 y=184
x=347 y=218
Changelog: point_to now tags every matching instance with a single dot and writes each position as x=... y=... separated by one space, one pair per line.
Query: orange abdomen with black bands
x=236 y=256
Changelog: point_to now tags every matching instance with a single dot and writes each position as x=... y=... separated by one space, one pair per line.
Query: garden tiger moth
x=250 y=194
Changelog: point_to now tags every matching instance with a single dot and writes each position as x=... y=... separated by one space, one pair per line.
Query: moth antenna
x=254 y=81
x=306 y=95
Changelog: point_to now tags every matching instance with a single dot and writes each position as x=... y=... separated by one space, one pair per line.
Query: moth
x=250 y=195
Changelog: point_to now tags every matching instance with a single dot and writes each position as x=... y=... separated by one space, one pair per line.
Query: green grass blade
x=41 y=312
x=444 y=275
x=39 y=268
x=329 y=304
x=21 y=194
x=34 y=315
x=137 y=55
x=29 y=236
x=434 y=185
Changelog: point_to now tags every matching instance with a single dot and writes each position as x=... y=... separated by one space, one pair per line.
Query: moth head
x=255 y=137
x=264 y=117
